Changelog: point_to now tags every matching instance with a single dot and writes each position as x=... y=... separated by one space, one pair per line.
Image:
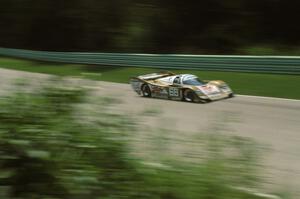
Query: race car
x=186 y=87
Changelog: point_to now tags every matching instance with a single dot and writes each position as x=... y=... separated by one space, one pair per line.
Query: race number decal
x=173 y=92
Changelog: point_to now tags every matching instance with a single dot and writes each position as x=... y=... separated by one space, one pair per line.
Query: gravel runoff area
x=272 y=122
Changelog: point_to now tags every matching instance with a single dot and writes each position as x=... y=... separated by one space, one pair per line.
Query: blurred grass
x=58 y=142
x=272 y=85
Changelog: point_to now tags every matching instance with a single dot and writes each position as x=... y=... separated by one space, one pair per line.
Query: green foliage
x=270 y=50
x=50 y=149
x=58 y=142
x=261 y=50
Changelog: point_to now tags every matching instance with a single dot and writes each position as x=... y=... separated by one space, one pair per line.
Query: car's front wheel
x=190 y=96
x=231 y=95
x=146 y=90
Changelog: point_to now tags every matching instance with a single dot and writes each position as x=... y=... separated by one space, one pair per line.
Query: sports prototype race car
x=184 y=87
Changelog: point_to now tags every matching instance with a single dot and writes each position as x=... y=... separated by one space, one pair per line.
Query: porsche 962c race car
x=184 y=87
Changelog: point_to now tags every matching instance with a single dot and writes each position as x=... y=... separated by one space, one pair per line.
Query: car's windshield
x=194 y=82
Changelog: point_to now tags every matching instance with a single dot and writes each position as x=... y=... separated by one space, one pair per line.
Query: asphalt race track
x=272 y=122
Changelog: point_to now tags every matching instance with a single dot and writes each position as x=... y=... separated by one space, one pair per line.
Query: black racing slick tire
x=231 y=95
x=190 y=96
x=146 y=91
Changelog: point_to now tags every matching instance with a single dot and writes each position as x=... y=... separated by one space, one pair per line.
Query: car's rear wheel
x=146 y=90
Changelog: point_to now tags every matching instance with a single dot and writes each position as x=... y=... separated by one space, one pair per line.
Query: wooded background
x=152 y=26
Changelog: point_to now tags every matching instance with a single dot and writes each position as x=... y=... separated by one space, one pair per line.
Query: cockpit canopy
x=186 y=79
x=192 y=80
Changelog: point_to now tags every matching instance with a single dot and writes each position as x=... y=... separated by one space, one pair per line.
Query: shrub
x=58 y=142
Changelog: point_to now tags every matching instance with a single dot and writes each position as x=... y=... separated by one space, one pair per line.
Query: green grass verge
x=284 y=86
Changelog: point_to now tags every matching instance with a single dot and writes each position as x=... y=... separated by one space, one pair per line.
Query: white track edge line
x=262 y=97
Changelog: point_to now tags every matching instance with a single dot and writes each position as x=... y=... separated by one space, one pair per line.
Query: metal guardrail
x=260 y=64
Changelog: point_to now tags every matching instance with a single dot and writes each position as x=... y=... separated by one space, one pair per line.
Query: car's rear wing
x=153 y=76
x=137 y=82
